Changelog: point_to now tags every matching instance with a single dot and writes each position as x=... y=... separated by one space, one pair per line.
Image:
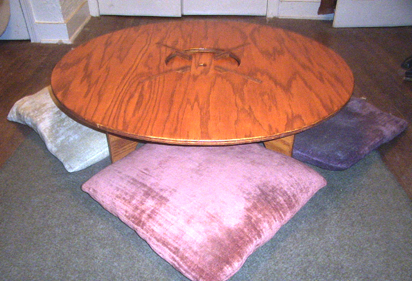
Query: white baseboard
x=63 y=32
x=60 y=32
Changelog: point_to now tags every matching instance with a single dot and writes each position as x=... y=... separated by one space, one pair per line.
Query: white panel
x=171 y=8
x=94 y=8
x=47 y=11
x=301 y=9
x=54 y=32
x=224 y=7
x=316 y=1
x=51 y=32
x=273 y=9
x=63 y=32
x=373 y=13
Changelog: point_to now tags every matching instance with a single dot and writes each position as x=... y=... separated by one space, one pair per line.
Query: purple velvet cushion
x=346 y=138
x=205 y=209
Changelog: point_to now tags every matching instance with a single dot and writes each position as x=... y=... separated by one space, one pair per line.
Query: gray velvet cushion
x=346 y=138
x=205 y=209
x=75 y=145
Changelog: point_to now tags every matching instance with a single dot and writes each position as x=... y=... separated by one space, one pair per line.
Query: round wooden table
x=201 y=82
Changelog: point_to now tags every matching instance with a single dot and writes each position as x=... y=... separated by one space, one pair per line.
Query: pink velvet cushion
x=205 y=209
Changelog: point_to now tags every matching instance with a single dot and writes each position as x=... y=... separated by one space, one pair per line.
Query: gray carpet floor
x=359 y=227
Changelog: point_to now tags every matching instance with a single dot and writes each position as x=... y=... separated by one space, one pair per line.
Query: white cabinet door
x=176 y=8
x=167 y=8
x=224 y=7
x=296 y=9
x=369 y=13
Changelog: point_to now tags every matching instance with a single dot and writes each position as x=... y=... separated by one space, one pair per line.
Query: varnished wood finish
x=283 y=145
x=226 y=82
x=374 y=55
x=120 y=147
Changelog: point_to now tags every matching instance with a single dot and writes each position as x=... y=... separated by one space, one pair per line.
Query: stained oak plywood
x=202 y=82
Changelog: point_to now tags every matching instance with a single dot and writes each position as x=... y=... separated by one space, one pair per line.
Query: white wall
x=47 y=11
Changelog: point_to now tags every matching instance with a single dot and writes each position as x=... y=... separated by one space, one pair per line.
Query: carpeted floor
x=359 y=227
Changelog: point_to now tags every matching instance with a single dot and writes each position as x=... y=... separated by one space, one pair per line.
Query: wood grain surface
x=249 y=83
x=120 y=147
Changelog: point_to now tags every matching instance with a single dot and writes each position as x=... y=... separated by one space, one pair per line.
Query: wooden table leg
x=282 y=145
x=119 y=147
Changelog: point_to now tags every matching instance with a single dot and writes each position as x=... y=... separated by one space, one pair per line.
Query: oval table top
x=202 y=82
